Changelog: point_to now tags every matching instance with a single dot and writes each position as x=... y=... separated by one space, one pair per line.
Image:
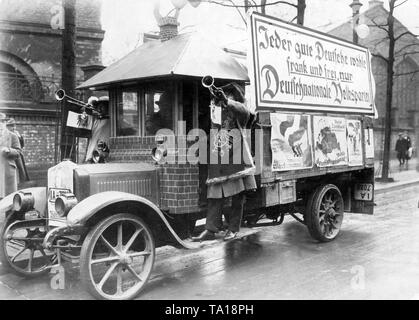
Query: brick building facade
x=405 y=104
x=30 y=68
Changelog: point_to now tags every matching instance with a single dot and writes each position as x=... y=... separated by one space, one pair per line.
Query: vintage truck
x=312 y=146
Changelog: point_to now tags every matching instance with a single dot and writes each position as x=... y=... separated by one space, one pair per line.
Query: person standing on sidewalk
x=408 y=146
x=20 y=162
x=401 y=148
x=9 y=151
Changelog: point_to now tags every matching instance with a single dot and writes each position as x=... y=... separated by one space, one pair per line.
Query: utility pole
x=68 y=72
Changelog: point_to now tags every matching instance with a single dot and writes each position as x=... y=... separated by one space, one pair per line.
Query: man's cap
x=92 y=100
x=235 y=90
x=104 y=99
x=11 y=122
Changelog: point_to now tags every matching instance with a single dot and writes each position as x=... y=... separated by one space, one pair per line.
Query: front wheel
x=324 y=213
x=117 y=257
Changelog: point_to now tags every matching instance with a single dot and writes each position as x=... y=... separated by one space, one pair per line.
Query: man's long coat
x=8 y=170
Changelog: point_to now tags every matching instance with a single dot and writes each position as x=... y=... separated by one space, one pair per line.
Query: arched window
x=18 y=81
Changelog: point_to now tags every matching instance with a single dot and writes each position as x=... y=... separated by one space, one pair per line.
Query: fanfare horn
x=60 y=95
x=208 y=81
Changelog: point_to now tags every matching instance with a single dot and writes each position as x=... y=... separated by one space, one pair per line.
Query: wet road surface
x=374 y=257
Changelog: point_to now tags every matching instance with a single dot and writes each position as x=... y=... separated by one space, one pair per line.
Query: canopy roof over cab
x=187 y=54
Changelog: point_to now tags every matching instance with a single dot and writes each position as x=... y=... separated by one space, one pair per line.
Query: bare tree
x=262 y=5
x=403 y=50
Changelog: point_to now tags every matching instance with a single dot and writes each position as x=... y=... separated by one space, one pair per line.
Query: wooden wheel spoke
x=120 y=237
x=108 y=244
x=105 y=260
x=139 y=254
x=107 y=275
x=18 y=254
x=135 y=274
x=132 y=239
x=119 y=281
x=29 y=267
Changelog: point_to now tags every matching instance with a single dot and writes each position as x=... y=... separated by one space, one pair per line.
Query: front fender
x=87 y=208
x=40 y=195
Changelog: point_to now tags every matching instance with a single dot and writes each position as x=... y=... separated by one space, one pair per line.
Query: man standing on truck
x=229 y=116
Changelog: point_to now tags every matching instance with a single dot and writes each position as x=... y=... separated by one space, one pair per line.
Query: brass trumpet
x=60 y=95
x=208 y=82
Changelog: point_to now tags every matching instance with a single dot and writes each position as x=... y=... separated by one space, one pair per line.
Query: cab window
x=158 y=111
x=128 y=115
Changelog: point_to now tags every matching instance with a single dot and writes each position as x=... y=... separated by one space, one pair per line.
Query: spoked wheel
x=117 y=257
x=324 y=213
x=21 y=248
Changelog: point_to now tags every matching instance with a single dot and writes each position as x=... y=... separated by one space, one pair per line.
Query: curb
x=395 y=186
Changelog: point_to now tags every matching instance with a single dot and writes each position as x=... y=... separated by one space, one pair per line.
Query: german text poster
x=353 y=131
x=330 y=147
x=291 y=142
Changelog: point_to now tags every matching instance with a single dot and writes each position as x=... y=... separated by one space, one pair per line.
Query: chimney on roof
x=168 y=28
x=373 y=3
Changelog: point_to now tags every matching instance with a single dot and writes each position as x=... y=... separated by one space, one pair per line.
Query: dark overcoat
x=8 y=169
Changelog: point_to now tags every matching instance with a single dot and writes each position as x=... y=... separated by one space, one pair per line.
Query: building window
x=128 y=114
x=158 y=111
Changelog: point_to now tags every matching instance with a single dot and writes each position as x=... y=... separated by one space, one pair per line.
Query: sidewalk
x=403 y=175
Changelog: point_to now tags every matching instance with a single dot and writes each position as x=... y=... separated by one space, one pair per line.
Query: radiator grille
x=141 y=187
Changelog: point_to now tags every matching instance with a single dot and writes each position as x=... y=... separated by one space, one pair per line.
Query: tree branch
x=398 y=5
x=379 y=26
x=402 y=34
x=406 y=73
x=251 y=5
x=404 y=55
x=377 y=55
x=405 y=47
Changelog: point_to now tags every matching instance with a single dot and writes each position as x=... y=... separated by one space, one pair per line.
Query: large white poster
x=355 y=152
x=300 y=69
x=291 y=142
x=330 y=144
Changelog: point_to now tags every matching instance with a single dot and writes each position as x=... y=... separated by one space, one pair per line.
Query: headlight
x=159 y=153
x=64 y=203
x=23 y=201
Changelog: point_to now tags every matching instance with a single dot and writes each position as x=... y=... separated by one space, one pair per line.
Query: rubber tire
x=3 y=258
x=311 y=216
x=87 y=248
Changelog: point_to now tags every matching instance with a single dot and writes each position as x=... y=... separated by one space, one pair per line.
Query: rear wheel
x=324 y=213
x=117 y=257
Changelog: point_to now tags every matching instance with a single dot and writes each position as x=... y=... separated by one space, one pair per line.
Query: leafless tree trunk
x=301 y=8
x=389 y=94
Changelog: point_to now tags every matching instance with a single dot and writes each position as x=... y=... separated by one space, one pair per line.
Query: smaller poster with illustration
x=291 y=142
x=353 y=132
x=330 y=144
